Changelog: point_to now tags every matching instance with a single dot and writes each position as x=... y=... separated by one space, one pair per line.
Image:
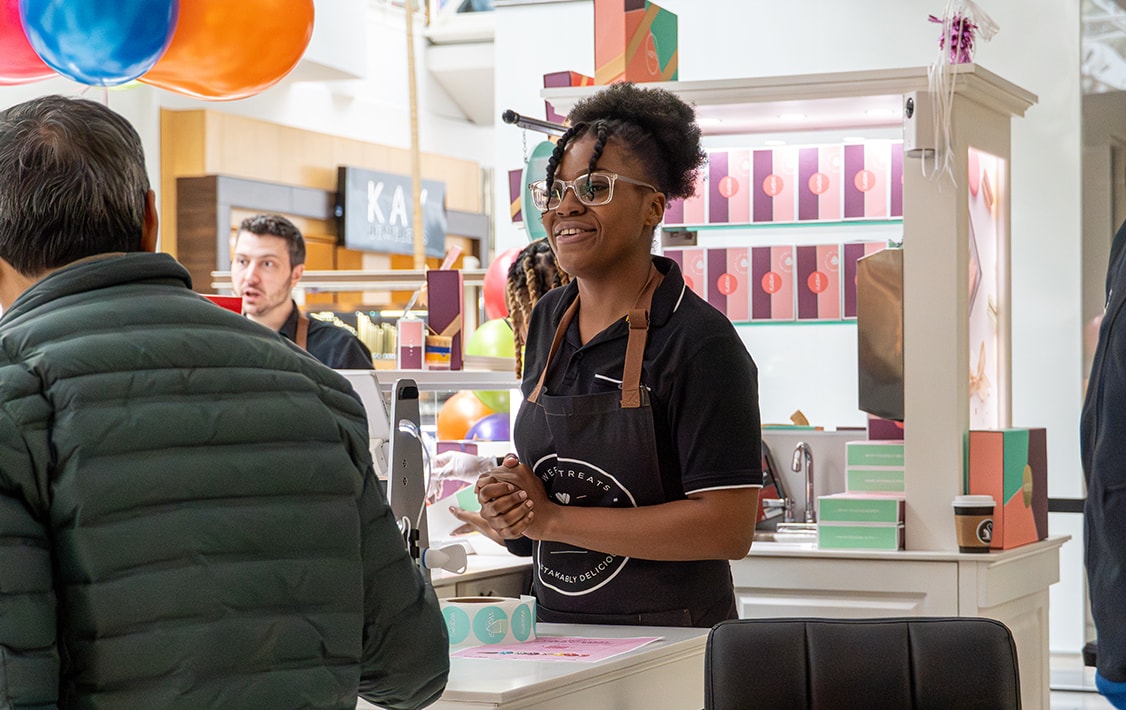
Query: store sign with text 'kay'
x=374 y=212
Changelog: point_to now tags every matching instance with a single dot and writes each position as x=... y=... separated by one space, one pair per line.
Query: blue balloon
x=99 y=43
x=492 y=427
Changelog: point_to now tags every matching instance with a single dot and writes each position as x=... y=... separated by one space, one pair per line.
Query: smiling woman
x=638 y=440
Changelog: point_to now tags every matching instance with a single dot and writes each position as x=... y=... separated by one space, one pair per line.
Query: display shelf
x=450 y=380
x=360 y=280
x=791 y=323
x=828 y=100
x=856 y=224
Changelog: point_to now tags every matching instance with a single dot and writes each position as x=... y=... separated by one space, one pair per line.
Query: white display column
x=938 y=365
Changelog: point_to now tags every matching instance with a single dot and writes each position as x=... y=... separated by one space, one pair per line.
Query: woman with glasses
x=639 y=445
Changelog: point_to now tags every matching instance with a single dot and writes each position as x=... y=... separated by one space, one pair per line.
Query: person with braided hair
x=532 y=274
x=638 y=442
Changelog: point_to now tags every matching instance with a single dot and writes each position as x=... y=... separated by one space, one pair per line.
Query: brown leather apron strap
x=560 y=331
x=302 y=335
x=638 y=321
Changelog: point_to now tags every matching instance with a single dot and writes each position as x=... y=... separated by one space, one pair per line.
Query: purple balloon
x=492 y=427
x=99 y=43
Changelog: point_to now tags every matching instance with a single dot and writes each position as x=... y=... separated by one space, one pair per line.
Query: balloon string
x=104 y=93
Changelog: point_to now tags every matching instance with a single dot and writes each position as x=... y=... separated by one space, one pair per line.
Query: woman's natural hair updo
x=658 y=127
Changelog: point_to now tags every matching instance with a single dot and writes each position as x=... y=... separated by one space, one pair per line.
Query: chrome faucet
x=804 y=455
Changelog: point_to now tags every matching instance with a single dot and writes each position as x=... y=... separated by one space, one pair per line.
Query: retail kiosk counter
x=773 y=580
x=666 y=674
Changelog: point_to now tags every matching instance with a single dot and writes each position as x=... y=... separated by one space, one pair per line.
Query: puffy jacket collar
x=100 y=272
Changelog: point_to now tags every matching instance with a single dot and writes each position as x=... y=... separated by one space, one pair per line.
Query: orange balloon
x=458 y=414
x=231 y=49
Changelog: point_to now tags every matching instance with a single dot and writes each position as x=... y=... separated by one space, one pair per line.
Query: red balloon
x=232 y=49
x=496 y=279
x=19 y=64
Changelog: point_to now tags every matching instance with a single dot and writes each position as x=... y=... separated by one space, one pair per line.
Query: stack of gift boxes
x=831 y=182
x=776 y=283
x=786 y=185
x=869 y=514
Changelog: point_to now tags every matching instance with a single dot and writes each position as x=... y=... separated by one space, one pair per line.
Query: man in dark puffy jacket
x=188 y=512
x=1102 y=437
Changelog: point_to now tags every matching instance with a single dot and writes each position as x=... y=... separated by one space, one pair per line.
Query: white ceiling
x=461 y=59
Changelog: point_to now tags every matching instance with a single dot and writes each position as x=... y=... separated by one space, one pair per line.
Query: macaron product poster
x=817 y=277
x=728 y=273
x=774 y=178
x=772 y=283
x=867 y=180
x=820 y=185
x=729 y=182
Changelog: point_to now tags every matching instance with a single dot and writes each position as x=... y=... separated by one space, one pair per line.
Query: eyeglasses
x=593 y=189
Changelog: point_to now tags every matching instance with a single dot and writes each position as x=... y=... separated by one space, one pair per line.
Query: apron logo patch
x=571 y=570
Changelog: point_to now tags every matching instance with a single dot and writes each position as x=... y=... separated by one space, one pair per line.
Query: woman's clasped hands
x=513 y=501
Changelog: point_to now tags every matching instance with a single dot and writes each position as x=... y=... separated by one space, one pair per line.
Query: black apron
x=600 y=450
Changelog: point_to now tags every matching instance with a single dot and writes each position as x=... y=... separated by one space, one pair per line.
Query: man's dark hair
x=275 y=225
x=657 y=126
x=72 y=183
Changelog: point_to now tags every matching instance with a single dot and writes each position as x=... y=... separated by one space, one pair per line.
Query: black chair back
x=910 y=663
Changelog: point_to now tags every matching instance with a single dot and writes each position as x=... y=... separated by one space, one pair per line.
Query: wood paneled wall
x=202 y=142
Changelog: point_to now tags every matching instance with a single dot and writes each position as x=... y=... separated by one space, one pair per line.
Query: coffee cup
x=973 y=520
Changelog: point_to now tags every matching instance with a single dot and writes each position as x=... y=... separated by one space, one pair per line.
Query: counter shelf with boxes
x=1009 y=465
x=869 y=514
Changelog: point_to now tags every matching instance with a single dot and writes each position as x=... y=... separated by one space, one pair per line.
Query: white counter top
x=478 y=567
x=666 y=674
x=807 y=550
x=486 y=565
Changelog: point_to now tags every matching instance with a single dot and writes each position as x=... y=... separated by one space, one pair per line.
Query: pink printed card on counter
x=564 y=649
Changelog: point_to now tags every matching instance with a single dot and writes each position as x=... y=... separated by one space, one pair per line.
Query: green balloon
x=496 y=400
x=492 y=338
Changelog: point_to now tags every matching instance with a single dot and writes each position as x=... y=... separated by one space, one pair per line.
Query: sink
x=797 y=534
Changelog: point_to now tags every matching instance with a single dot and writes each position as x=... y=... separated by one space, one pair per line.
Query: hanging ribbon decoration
x=962 y=23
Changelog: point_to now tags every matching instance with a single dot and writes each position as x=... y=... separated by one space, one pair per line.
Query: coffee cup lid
x=973 y=501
